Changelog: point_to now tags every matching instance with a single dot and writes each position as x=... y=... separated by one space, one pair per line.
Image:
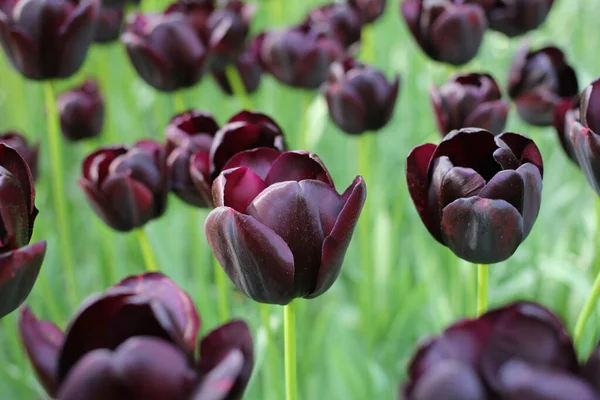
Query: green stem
x=58 y=193
x=272 y=374
x=179 y=102
x=237 y=86
x=289 y=350
x=222 y=291
x=105 y=77
x=482 y=288
x=368 y=44
x=147 y=253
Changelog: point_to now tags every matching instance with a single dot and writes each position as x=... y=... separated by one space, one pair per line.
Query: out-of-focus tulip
x=81 y=111
x=190 y=134
x=127 y=186
x=447 y=30
x=370 y=10
x=28 y=151
x=537 y=82
x=515 y=17
x=519 y=352
x=342 y=22
x=248 y=68
x=20 y=262
x=469 y=100
x=137 y=341
x=108 y=24
x=119 y=3
x=476 y=193
x=165 y=50
x=280 y=229
x=197 y=13
x=566 y=113
x=47 y=39
x=359 y=97
x=298 y=56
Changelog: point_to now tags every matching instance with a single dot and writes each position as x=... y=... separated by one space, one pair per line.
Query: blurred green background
x=355 y=341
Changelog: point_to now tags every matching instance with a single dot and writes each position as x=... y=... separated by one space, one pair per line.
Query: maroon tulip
x=188 y=134
x=447 y=30
x=81 y=111
x=566 y=113
x=137 y=340
x=341 y=21
x=108 y=24
x=469 y=100
x=29 y=152
x=538 y=81
x=370 y=10
x=515 y=17
x=20 y=262
x=476 y=193
x=299 y=56
x=248 y=68
x=280 y=229
x=165 y=50
x=127 y=186
x=359 y=97
x=519 y=352
x=47 y=39
x=197 y=13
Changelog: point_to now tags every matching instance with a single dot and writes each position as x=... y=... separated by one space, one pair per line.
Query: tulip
x=28 y=151
x=515 y=17
x=127 y=186
x=188 y=134
x=248 y=68
x=280 y=230
x=538 y=81
x=299 y=56
x=370 y=10
x=476 y=193
x=40 y=50
x=165 y=50
x=446 y=30
x=566 y=113
x=137 y=340
x=20 y=262
x=108 y=24
x=197 y=13
x=520 y=352
x=359 y=97
x=342 y=22
x=469 y=100
x=81 y=111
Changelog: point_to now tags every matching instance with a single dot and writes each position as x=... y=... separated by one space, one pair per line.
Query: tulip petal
x=14 y=212
x=490 y=116
x=442 y=117
x=449 y=380
x=237 y=188
x=102 y=207
x=506 y=185
x=586 y=144
x=76 y=36
x=24 y=53
x=411 y=10
x=256 y=259
x=439 y=168
x=536 y=107
x=459 y=182
x=346 y=108
x=152 y=67
x=132 y=202
x=532 y=181
x=219 y=384
x=524 y=149
x=591 y=369
x=590 y=106
x=298 y=166
x=259 y=160
x=17 y=166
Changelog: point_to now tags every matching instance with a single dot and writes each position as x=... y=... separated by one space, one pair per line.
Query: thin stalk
x=482 y=288
x=58 y=193
x=179 y=102
x=272 y=373
x=237 y=86
x=147 y=253
x=105 y=77
x=368 y=44
x=289 y=350
x=222 y=290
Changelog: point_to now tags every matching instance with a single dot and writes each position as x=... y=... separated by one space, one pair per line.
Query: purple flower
x=370 y=10
x=28 y=151
x=515 y=17
x=81 y=111
x=108 y=24
x=341 y=21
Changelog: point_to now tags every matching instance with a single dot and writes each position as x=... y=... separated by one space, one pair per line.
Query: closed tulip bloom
x=359 y=97
x=127 y=186
x=515 y=17
x=190 y=134
x=469 y=100
x=20 y=262
x=280 y=230
x=370 y=10
x=47 y=39
x=341 y=20
x=197 y=13
x=137 y=341
x=566 y=113
x=28 y=151
x=299 y=56
x=477 y=194
x=81 y=111
x=538 y=81
x=248 y=68
x=165 y=50
x=447 y=30
x=108 y=24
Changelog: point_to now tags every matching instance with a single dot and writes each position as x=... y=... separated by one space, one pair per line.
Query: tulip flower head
x=515 y=17
x=370 y=10
x=342 y=21
x=137 y=341
x=81 y=111
x=108 y=24
x=477 y=194
x=28 y=151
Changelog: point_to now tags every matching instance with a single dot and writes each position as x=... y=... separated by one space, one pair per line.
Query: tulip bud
x=108 y=24
x=40 y=50
x=197 y=13
x=248 y=68
x=447 y=30
x=469 y=100
x=370 y=10
x=126 y=186
x=29 y=152
x=538 y=81
x=566 y=113
x=280 y=229
x=476 y=193
x=81 y=111
x=359 y=97
x=515 y=17
x=341 y=21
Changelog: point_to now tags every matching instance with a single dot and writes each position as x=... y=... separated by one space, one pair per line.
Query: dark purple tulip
x=476 y=193
x=538 y=81
x=165 y=50
x=20 y=262
x=280 y=229
x=137 y=340
x=248 y=68
x=359 y=97
x=566 y=113
x=28 y=151
x=197 y=13
x=188 y=134
x=370 y=10
x=127 y=186
x=342 y=22
x=299 y=56
x=81 y=111
x=518 y=352
x=446 y=30
x=469 y=100
x=515 y=17
x=108 y=24
x=47 y=39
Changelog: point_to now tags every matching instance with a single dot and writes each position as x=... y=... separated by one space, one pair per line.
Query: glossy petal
x=506 y=185
x=460 y=182
x=450 y=380
x=237 y=188
x=590 y=106
x=587 y=145
x=532 y=181
x=219 y=384
x=258 y=160
x=490 y=116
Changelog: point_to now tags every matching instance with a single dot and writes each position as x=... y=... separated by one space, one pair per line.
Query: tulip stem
x=58 y=193
x=179 y=102
x=147 y=253
x=222 y=290
x=368 y=46
x=271 y=375
x=289 y=350
x=237 y=86
x=482 y=288
x=587 y=310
